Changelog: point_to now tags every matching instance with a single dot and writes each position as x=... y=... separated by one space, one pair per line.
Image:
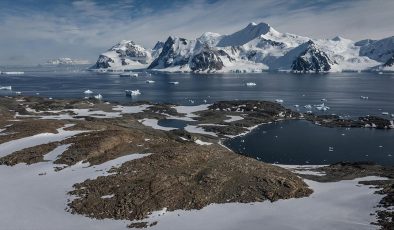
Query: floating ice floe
x=18 y=92
x=174 y=82
x=308 y=106
x=322 y=107
x=13 y=73
x=88 y=91
x=129 y=74
x=250 y=84
x=297 y=106
x=150 y=81
x=331 y=149
x=385 y=113
x=98 y=97
x=132 y=92
x=278 y=100
x=5 y=87
x=364 y=97
x=323 y=99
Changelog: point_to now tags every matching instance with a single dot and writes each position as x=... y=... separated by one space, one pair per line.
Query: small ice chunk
x=278 y=100
x=174 y=82
x=88 y=91
x=150 y=81
x=385 y=113
x=98 y=97
x=322 y=107
x=364 y=97
x=5 y=87
x=250 y=84
x=132 y=92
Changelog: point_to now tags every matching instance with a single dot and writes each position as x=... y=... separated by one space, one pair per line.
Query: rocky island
x=171 y=169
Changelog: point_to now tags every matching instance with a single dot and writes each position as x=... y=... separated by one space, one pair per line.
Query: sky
x=33 y=31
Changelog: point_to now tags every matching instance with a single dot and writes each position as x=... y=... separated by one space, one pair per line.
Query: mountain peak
x=252 y=24
x=245 y=35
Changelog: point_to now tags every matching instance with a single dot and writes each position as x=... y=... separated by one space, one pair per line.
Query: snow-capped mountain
x=126 y=54
x=255 y=48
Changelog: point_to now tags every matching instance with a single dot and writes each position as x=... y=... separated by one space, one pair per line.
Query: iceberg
x=250 y=84
x=322 y=107
x=13 y=73
x=5 y=87
x=132 y=92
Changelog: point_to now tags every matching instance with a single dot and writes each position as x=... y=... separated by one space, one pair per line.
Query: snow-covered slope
x=255 y=48
x=381 y=50
x=125 y=54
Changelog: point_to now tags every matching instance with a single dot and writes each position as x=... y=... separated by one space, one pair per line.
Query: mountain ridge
x=255 y=48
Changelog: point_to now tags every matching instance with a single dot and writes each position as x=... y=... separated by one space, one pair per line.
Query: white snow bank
x=190 y=110
x=154 y=124
x=200 y=142
x=52 y=155
x=65 y=114
x=38 y=139
x=30 y=201
x=199 y=130
x=233 y=118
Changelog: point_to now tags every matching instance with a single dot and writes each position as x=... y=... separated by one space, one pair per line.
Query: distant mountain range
x=255 y=48
x=67 y=61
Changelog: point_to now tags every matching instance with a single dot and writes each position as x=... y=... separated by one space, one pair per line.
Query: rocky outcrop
x=103 y=62
x=125 y=53
x=312 y=59
x=380 y=50
x=389 y=62
x=175 y=52
x=206 y=60
x=185 y=177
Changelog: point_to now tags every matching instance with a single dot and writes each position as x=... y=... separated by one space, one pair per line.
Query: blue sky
x=36 y=30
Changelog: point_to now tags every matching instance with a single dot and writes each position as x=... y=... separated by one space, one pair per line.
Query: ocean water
x=302 y=142
x=297 y=142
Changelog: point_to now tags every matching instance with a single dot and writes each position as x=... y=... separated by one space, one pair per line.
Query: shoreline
x=113 y=131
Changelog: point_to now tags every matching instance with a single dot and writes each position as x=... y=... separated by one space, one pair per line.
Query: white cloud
x=87 y=28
